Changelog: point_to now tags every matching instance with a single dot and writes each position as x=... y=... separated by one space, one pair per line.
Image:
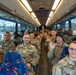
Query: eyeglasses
x=72 y=49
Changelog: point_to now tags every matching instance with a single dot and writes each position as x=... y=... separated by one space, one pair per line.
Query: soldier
x=53 y=35
x=33 y=39
x=67 y=65
x=55 y=48
x=35 y=42
x=38 y=38
x=51 y=38
x=6 y=45
x=21 y=33
x=16 y=39
x=64 y=51
x=29 y=53
x=69 y=36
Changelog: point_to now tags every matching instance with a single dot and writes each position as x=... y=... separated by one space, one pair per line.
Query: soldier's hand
x=51 y=45
x=28 y=65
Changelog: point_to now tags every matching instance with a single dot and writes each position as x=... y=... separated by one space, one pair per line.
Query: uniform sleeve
x=17 y=48
x=57 y=70
x=50 y=54
x=35 y=56
x=13 y=47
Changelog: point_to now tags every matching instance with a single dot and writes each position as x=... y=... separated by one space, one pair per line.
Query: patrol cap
x=59 y=34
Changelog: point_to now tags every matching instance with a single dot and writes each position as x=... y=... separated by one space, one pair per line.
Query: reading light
x=55 y=4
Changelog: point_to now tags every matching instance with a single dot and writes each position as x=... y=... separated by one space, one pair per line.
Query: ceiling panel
x=37 y=4
x=41 y=9
x=42 y=15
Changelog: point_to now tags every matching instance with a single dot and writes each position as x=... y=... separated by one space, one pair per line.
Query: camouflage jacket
x=49 y=39
x=7 y=47
x=54 y=54
x=16 y=40
x=65 y=67
x=69 y=38
x=36 y=43
x=28 y=52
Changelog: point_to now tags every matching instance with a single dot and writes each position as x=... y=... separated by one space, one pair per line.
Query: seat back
x=13 y=64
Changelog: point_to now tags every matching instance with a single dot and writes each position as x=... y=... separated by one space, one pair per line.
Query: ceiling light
x=37 y=21
x=33 y=14
x=48 y=18
x=51 y=13
x=47 y=21
x=55 y=4
x=26 y=4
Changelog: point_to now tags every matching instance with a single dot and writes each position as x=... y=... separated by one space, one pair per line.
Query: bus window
x=6 y=26
x=73 y=25
x=66 y=25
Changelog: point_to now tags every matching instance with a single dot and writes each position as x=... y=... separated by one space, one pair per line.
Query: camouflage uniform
x=49 y=39
x=5 y=48
x=65 y=37
x=16 y=40
x=36 y=43
x=65 y=67
x=39 y=38
x=53 y=39
x=29 y=54
x=69 y=38
x=54 y=54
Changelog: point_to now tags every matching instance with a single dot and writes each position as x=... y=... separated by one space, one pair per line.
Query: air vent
x=41 y=8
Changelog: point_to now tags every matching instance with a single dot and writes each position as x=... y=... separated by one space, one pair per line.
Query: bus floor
x=44 y=66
